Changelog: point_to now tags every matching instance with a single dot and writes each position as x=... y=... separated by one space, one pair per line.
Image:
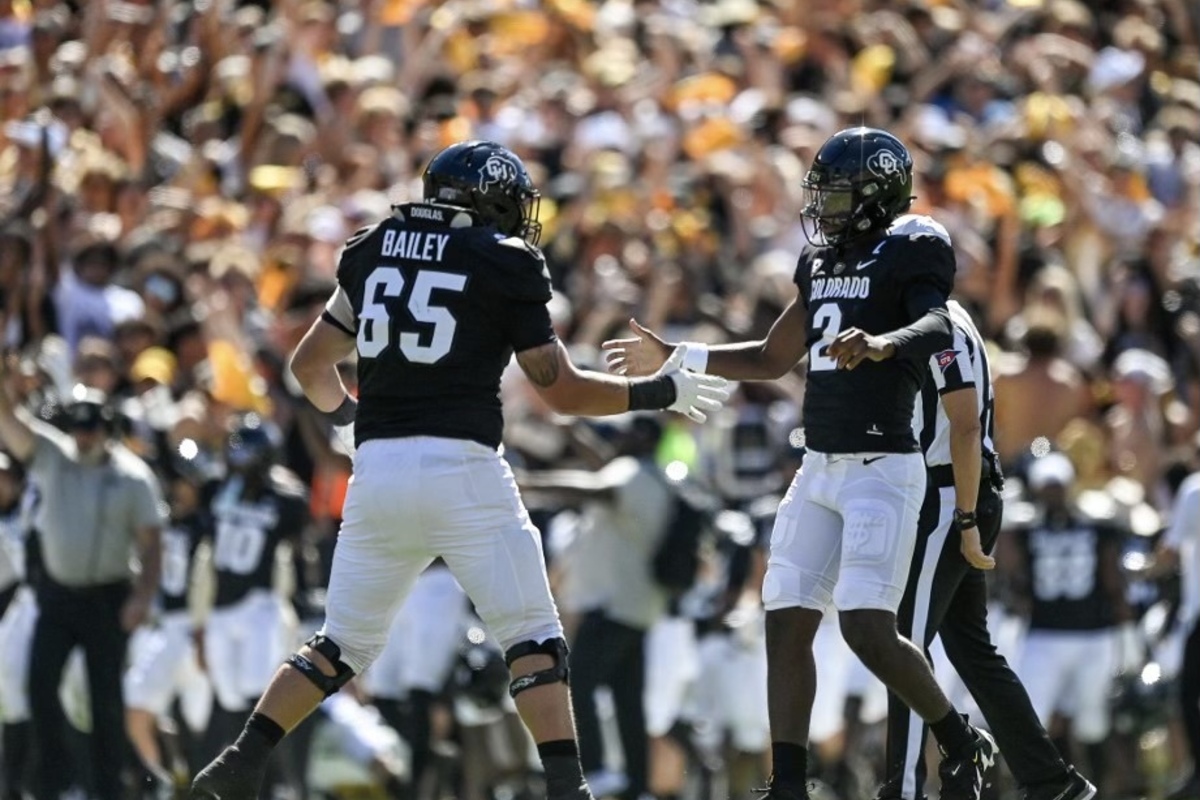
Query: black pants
x=1189 y=693
x=607 y=653
x=946 y=596
x=89 y=618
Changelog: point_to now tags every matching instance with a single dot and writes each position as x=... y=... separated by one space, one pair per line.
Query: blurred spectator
x=1037 y=392
x=627 y=507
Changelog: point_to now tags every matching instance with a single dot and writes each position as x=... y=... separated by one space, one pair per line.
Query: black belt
x=942 y=475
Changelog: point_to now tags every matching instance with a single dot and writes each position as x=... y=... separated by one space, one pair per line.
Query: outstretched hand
x=696 y=395
x=639 y=356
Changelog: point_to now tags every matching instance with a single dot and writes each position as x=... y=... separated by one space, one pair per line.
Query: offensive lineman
x=436 y=299
x=954 y=422
x=871 y=311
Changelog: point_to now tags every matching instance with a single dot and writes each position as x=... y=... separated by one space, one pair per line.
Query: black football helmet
x=250 y=446
x=490 y=180
x=859 y=181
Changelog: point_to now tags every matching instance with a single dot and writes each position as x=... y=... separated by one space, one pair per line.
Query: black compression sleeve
x=928 y=335
x=651 y=394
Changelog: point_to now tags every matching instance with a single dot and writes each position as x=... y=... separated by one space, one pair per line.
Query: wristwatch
x=964 y=519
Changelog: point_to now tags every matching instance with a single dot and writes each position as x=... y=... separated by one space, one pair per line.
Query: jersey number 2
x=829 y=319
x=375 y=329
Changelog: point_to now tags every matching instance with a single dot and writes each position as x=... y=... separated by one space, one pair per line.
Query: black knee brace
x=329 y=684
x=555 y=648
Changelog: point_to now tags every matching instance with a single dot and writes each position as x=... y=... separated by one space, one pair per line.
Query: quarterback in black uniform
x=436 y=299
x=871 y=311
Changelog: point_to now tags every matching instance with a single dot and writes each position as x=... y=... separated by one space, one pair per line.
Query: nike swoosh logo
x=873 y=460
x=865 y=264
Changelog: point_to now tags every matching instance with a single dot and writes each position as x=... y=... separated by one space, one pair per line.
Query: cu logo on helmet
x=884 y=164
x=497 y=170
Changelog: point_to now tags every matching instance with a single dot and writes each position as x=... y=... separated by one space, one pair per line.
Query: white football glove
x=345 y=437
x=696 y=395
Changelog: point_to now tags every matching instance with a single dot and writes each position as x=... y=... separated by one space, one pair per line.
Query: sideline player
x=955 y=421
x=163 y=659
x=871 y=311
x=436 y=299
x=253 y=510
x=1080 y=623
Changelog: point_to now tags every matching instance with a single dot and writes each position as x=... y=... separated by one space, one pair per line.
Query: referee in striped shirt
x=947 y=589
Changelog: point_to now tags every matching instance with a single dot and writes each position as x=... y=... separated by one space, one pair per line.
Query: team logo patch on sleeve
x=946 y=358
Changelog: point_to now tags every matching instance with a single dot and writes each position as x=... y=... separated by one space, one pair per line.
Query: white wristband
x=695 y=357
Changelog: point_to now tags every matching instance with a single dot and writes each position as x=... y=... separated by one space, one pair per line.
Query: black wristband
x=344 y=414
x=651 y=394
x=964 y=519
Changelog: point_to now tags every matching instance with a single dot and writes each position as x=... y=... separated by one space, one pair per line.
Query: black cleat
x=231 y=776
x=965 y=775
x=1077 y=787
x=773 y=792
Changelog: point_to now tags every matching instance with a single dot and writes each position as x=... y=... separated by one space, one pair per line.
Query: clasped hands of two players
x=696 y=395
x=645 y=351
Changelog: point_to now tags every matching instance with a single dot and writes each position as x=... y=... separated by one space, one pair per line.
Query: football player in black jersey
x=871 y=311
x=163 y=659
x=250 y=513
x=436 y=299
x=1068 y=576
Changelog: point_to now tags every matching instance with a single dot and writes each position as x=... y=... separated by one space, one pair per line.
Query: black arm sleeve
x=931 y=333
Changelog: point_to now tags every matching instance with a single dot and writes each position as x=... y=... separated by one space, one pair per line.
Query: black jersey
x=438 y=305
x=872 y=285
x=180 y=538
x=1063 y=561
x=247 y=530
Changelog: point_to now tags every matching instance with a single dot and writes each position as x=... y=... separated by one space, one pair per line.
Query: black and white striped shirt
x=964 y=365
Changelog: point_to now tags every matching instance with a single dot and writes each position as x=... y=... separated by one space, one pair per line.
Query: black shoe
x=773 y=792
x=891 y=791
x=965 y=774
x=231 y=776
x=1077 y=787
x=1188 y=790
x=580 y=792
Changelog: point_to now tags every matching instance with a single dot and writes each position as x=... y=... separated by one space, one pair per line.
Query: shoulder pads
x=915 y=226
